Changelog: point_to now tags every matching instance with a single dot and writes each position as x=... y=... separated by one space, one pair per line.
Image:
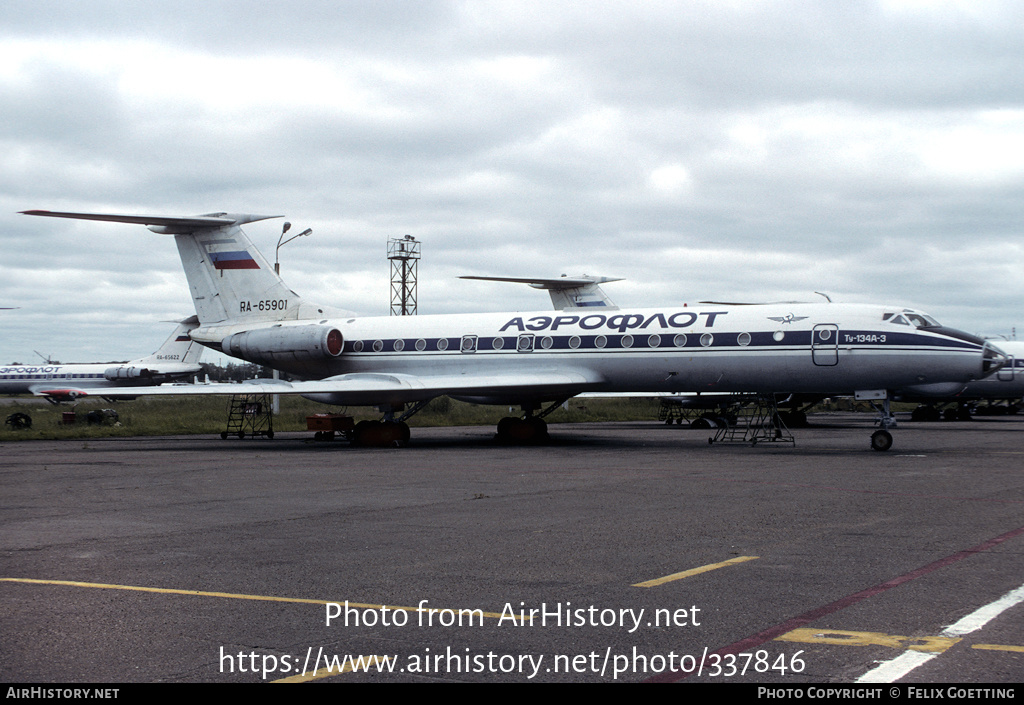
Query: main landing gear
x=531 y=428
x=380 y=434
x=388 y=431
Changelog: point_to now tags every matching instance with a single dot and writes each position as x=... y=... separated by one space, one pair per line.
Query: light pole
x=277 y=259
x=276 y=402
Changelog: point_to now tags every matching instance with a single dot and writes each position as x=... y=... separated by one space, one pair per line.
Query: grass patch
x=189 y=415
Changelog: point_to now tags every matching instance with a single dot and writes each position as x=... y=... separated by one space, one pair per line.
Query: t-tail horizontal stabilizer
x=167 y=224
x=231 y=283
x=567 y=292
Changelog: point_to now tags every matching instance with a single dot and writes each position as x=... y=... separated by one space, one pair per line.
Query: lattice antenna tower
x=404 y=253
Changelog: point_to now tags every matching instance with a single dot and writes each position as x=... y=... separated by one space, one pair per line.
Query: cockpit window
x=911 y=318
x=920 y=320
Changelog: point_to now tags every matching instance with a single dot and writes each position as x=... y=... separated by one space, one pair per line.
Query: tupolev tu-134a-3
x=538 y=360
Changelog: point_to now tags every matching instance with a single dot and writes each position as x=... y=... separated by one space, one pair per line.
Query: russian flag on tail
x=233 y=260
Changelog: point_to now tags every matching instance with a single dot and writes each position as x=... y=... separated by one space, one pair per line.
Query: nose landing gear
x=881 y=439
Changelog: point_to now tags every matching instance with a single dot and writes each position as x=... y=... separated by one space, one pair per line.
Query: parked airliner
x=531 y=359
x=177 y=358
x=1006 y=386
x=959 y=400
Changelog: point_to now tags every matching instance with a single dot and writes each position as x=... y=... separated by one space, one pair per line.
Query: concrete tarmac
x=641 y=552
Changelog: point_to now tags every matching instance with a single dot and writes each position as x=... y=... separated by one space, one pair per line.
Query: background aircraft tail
x=177 y=348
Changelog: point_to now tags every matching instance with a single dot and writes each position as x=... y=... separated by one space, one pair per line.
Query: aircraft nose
x=992 y=359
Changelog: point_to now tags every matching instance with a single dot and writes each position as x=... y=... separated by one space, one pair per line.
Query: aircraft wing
x=57 y=393
x=376 y=389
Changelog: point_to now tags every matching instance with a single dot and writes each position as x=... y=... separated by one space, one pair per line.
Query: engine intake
x=285 y=344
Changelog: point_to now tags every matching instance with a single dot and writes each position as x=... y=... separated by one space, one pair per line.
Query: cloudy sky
x=733 y=150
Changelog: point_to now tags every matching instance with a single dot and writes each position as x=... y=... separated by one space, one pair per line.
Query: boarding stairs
x=762 y=425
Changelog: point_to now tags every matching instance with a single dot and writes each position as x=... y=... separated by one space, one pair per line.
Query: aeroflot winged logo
x=788 y=318
x=228 y=259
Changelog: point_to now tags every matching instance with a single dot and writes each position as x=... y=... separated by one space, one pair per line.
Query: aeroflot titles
x=51 y=369
x=620 y=322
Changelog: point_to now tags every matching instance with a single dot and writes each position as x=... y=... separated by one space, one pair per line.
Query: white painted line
x=979 y=618
x=896 y=668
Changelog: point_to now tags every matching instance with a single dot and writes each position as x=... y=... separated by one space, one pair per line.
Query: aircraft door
x=825 y=344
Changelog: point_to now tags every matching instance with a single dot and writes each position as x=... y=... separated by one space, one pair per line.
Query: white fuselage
x=815 y=348
x=61 y=381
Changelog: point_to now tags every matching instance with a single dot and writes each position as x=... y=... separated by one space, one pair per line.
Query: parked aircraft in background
x=535 y=358
x=176 y=359
x=1002 y=392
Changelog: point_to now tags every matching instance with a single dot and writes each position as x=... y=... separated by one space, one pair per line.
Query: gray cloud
x=703 y=150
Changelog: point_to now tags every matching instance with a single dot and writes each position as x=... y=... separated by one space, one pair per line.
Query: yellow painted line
x=239 y=596
x=998 y=647
x=322 y=673
x=929 y=644
x=695 y=571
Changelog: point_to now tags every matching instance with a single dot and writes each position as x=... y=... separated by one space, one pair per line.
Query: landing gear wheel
x=794 y=418
x=505 y=426
x=881 y=440
x=380 y=434
x=703 y=423
x=925 y=413
x=522 y=431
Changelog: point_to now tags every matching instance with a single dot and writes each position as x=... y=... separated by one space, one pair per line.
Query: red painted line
x=755 y=640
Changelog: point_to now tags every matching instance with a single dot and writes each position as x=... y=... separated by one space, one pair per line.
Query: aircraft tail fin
x=230 y=281
x=179 y=347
